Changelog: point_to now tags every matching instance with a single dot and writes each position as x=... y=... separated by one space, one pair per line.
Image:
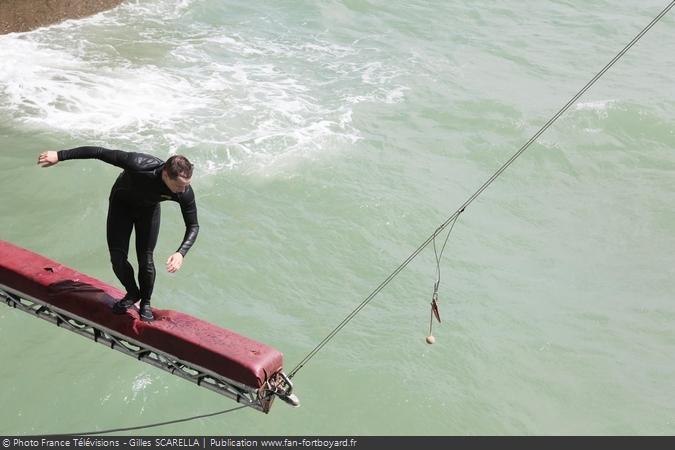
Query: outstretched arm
x=119 y=158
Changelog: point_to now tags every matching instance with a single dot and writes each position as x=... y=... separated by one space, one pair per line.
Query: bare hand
x=48 y=159
x=174 y=262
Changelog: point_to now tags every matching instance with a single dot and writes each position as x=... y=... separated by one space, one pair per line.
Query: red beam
x=187 y=338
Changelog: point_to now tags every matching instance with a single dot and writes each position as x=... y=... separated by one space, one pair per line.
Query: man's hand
x=48 y=159
x=174 y=262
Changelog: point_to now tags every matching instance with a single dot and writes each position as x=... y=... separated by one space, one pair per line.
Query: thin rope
x=522 y=149
x=142 y=427
x=439 y=255
x=434 y=296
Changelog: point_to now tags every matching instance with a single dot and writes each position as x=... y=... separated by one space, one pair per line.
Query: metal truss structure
x=260 y=399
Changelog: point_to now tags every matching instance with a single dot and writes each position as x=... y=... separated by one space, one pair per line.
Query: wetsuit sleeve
x=188 y=208
x=126 y=160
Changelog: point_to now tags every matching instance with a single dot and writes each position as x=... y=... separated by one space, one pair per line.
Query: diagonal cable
x=515 y=156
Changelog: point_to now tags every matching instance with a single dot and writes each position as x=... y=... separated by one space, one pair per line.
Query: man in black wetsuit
x=134 y=203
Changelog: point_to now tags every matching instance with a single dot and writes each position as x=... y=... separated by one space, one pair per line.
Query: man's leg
x=118 y=231
x=147 y=231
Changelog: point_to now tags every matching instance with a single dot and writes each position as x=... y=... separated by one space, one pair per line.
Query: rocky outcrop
x=26 y=15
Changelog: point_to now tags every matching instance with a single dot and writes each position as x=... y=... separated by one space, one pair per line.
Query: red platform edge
x=192 y=340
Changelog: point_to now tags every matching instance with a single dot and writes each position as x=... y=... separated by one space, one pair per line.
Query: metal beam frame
x=259 y=399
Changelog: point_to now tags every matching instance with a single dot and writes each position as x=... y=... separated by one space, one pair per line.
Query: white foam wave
x=233 y=98
x=154 y=11
x=596 y=105
x=140 y=383
x=54 y=89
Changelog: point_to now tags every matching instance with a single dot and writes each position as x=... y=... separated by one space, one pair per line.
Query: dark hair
x=178 y=165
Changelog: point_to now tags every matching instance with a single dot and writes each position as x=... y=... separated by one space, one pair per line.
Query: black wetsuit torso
x=134 y=203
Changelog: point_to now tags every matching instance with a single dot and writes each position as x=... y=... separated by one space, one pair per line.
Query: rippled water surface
x=330 y=140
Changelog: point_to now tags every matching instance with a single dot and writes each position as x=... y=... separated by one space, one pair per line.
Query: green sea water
x=330 y=140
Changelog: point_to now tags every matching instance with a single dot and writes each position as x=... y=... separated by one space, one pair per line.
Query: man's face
x=176 y=185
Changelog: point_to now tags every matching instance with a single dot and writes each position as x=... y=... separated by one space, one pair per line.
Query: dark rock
x=26 y=15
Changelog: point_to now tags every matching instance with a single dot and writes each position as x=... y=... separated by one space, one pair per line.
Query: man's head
x=177 y=173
